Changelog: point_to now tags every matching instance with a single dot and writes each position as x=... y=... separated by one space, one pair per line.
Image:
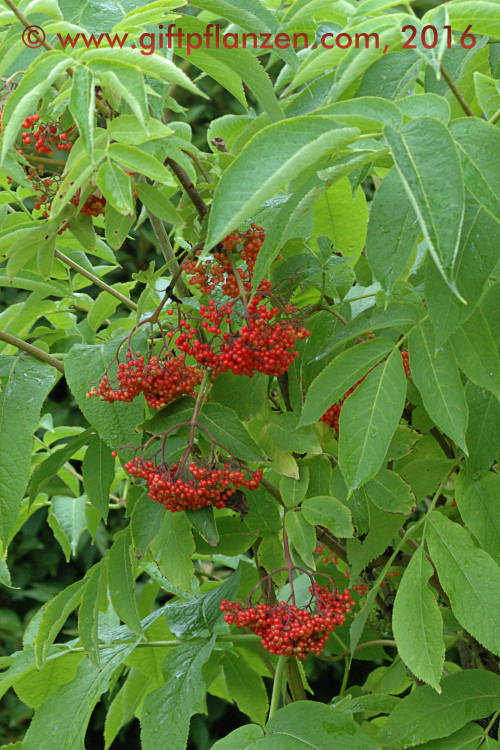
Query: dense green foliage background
x=376 y=178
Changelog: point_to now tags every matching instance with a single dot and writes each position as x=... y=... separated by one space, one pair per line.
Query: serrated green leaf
x=417 y=622
x=341 y=374
x=478 y=505
x=88 y=612
x=116 y=187
x=168 y=710
x=423 y=715
x=368 y=421
x=82 y=106
x=390 y=493
x=429 y=166
x=242 y=190
x=329 y=512
x=469 y=577
x=302 y=535
x=68 y=520
x=172 y=548
x=121 y=581
x=98 y=473
x=438 y=380
x=54 y=615
x=25 y=383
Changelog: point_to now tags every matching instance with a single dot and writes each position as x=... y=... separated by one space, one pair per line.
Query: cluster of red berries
x=44 y=137
x=332 y=415
x=264 y=343
x=194 y=487
x=93 y=206
x=288 y=630
x=161 y=380
x=218 y=271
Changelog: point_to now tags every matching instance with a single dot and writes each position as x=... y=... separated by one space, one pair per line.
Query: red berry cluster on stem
x=161 y=380
x=218 y=271
x=288 y=630
x=192 y=487
x=43 y=137
x=264 y=343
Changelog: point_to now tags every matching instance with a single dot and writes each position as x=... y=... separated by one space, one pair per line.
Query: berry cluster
x=161 y=380
x=44 y=137
x=288 y=630
x=332 y=415
x=191 y=487
x=219 y=271
x=264 y=342
x=93 y=206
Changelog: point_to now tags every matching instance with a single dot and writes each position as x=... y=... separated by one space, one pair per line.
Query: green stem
x=496 y=117
x=33 y=350
x=20 y=15
x=167 y=251
x=277 y=685
x=96 y=280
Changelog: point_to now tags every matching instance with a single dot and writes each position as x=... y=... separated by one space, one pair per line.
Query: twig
x=33 y=350
x=95 y=279
x=20 y=15
x=451 y=83
x=168 y=253
x=200 y=166
x=188 y=186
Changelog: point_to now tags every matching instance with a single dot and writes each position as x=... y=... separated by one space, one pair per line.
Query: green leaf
x=203 y=521
x=53 y=616
x=478 y=505
x=368 y=421
x=308 y=725
x=242 y=189
x=117 y=226
x=390 y=493
x=25 y=383
x=168 y=710
x=197 y=617
x=227 y=429
x=158 y=203
x=302 y=535
x=487 y=93
x=154 y=65
x=429 y=166
x=68 y=520
x=342 y=218
x=245 y=687
x=37 y=685
x=242 y=65
x=125 y=704
x=425 y=105
x=476 y=352
x=423 y=715
x=144 y=523
x=240 y=739
x=172 y=548
x=88 y=612
x=115 y=423
x=82 y=106
x=135 y=159
x=383 y=527
x=393 y=230
x=483 y=432
x=438 y=380
x=469 y=577
x=417 y=622
x=68 y=709
x=479 y=147
x=116 y=187
x=341 y=374
x=24 y=99
x=293 y=491
x=51 y=465
x=243 y=395
x=288 y=436
x=121 y=580
x=98 y=473
x=482 y=15
x=330 y=512
x=478 y=254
